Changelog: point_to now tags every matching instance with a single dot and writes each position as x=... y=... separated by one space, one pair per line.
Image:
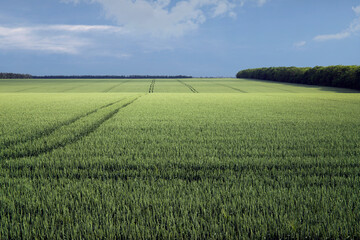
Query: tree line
x=14 y=75
x=333 y=76
x=22 y=76
x=107 y=76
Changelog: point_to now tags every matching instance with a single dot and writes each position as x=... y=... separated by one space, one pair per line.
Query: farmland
x=178 y=159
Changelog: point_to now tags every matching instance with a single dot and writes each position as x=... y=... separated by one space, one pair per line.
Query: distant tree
x=107 y=77
x=335 y=76
x=14 y=76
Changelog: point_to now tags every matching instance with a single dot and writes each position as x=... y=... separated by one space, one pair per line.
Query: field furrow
x=151 y=87
x=48 y=131
x=74 y=87
x=26 y=89
x=65 y=134
x=115 y=86
x=233 y=88
x=192 y=89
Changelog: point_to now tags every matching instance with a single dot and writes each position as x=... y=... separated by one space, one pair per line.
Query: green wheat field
x=178 y=159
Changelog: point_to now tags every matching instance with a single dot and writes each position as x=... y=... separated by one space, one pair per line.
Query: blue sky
x=167 y=37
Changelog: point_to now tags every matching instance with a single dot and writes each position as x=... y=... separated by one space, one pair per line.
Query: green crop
x=169 y=159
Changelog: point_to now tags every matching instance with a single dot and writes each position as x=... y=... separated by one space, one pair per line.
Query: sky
x=200 y=38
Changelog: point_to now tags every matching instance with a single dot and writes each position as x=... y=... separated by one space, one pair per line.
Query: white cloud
x=165 y=18
x=50 y=38
x=356 y=9
x=300 y=44
x=82 y=28
x=223 y=8
x=355 y=25
x=336 y=36
x=352 y=29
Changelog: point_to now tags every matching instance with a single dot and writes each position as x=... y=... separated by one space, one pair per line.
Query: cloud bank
x=156 y=18
x=352 y=29
x=166 y=18
x=69 y=39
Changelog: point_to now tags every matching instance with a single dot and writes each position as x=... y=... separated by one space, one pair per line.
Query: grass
x=234 y=159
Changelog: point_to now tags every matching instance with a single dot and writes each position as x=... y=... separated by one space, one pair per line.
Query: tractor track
x=152 y=86
x=116 y=85
x=188 y=86
x=233 y=88
x=69 y=89
x=25 y=89
x=50 y=130
x=49 y=148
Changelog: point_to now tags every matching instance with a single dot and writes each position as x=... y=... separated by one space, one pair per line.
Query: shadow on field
x=321 y=88
x=337 y=90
